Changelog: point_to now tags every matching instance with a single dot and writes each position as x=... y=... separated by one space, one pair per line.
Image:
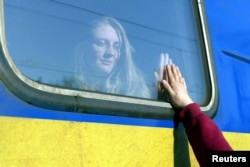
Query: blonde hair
x=125 y=78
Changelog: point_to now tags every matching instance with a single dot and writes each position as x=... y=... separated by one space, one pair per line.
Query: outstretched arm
x=202 y=132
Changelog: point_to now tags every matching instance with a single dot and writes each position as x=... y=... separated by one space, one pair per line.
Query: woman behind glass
x=105 y=61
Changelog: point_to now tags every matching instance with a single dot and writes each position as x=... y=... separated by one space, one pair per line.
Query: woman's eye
x=100 y=43
x=117 y=46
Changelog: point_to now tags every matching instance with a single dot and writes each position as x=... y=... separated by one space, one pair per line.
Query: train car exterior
x=45 y=120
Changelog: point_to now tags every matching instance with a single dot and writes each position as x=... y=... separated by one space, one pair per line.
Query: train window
x=100 y=56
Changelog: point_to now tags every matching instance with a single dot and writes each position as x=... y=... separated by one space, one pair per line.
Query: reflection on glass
x=44 y=38
x=105 y=61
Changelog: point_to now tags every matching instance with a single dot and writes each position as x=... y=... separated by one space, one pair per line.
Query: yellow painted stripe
x=30 y=142
x=239 y=141
x=34 y=142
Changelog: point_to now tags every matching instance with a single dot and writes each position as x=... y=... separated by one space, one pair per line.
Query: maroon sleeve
x=202 y=132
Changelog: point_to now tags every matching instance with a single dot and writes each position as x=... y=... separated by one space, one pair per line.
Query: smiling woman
x=105 y=61
x=78 y=55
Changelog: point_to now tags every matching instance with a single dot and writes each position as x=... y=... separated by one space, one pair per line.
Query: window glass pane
x=109 y=46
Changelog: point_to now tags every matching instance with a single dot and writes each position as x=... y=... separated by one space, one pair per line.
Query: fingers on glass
x=178 y=74
x=161 y=67
x=162 y=74
x=164 y=61
x=169 y=73
x=181 y=79
x=173 y=74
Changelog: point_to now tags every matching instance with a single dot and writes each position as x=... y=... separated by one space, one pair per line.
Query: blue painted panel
x=12 y=106
x=230 y=38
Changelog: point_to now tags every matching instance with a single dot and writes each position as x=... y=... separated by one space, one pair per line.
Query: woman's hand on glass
x=159 y=75
x=176 y=87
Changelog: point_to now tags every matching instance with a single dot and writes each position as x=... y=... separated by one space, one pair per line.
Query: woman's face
x=105 y=49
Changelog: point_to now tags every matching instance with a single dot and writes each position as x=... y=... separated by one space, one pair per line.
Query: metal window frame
x=56 y=98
